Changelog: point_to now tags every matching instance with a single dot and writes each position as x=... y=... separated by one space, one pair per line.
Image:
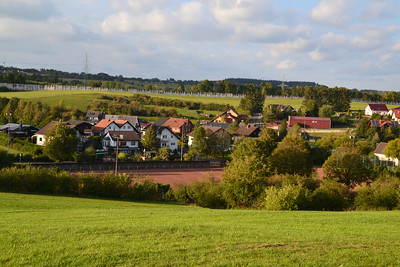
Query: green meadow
x=52 y=231
x=81 y=99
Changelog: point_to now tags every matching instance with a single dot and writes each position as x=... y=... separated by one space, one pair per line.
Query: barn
x=310 y=122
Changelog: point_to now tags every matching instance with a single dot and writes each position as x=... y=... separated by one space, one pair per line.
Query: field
x=81 y=99
x=50 y=231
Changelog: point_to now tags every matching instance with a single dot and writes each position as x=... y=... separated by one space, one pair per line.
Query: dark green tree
x=61 y=142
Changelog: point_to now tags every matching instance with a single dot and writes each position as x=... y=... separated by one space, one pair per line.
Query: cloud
x=380 y=10
x=32 y=10
x=286 y=65
x=332 y=12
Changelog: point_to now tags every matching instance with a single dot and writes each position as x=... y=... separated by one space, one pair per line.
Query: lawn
x=49 y=231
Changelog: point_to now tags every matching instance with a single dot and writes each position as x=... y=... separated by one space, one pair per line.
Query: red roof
x=175 y=123
x=309 y=118
x=378 y=107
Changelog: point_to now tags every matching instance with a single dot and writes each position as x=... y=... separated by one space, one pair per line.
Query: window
x=40 y=139
x=163 y=144
x=172 y=144
x=133 y=143
x=164 y=136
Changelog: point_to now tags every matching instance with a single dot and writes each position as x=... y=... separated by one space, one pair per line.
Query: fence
x=110 y=166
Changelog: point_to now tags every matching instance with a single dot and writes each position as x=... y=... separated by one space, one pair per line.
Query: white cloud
x=286 y=65
x=332 y=12
x=316 y=55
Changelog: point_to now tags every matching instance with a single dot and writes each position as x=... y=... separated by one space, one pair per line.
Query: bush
x=288 y=197
x=145 y=189
x=380 y=195
x=207 y=193
x=330 y=196
x=53 y=181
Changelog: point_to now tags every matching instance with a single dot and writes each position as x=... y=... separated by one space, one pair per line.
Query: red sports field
x=175 y=176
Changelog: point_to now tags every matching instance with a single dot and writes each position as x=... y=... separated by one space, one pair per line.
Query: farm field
x=47 y=230
x=81 y=99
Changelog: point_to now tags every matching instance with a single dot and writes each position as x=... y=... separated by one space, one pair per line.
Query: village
x=124 y=134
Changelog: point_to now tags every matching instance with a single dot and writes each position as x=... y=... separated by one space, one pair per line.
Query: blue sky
x=355 y=44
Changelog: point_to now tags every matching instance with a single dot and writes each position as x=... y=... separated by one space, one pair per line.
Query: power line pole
x=116 y=157
x=85 y=68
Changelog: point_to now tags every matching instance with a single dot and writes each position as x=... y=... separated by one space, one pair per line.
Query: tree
x=61 y=142
x=292 y=155
x=392 y=150
x=282 y=130
x=252 y=102
x=150 y=141
x=347 y=165
x=199 y=145
x=244 y=181
x=326 y=111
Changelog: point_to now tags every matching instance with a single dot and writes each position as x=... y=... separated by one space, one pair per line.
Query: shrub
x=144 y=188
x=207 y=193
x=379 y=195
x=308 y=181
x=330 y=195
x=288 y=197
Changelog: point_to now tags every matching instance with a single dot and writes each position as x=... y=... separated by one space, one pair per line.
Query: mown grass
x=47 y=230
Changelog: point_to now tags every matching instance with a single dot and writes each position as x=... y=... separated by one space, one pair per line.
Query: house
x=133 y=120
x=127 y=142
x=310 y=122
x=104 y=126
x=229 y=116
x=179 y=126
x=384 y=123
x=394 y=114
x=94 y=117
x=18 y=129
x=281 y=108
x=380 y=109
x=247 y=131
x=165 y=135
x=211 y=131
x=80 y=128
x=380 y=154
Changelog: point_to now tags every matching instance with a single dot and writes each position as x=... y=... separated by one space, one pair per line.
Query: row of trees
x=16 y=110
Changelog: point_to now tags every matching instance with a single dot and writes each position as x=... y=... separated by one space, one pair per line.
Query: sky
x=349 y=43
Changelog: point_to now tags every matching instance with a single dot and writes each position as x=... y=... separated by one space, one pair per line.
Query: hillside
x=47 y=230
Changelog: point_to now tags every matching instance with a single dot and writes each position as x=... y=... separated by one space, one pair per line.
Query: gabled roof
x=380 y=148
x=159 y=129
x=161 y=121
x=175 y=122
x=45 y=128
x=123 y=135
x=396 y=112
x=246 y=130
x=378 y=107
x=132 y=119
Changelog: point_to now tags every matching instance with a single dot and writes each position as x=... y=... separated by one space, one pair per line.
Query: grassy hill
x=47 y=230
x=81 y=99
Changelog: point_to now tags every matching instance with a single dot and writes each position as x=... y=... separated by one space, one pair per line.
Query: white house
x=380 y=109
x=380 y=154
x=127 y=142
x=79 y=126
x=104 y=126
x=166 y=136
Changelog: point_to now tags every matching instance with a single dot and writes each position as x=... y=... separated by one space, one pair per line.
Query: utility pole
x=116 y=157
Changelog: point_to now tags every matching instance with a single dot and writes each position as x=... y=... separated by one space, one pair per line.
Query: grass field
x=81 y=99
x=50 y=231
